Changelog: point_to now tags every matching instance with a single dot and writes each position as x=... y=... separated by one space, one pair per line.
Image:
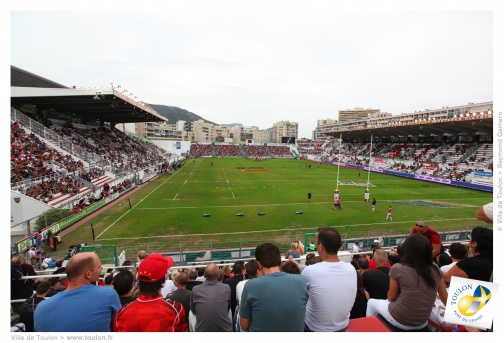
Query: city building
x=356 y=114
x=285 y=132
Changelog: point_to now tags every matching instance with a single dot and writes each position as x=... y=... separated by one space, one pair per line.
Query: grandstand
x=71 y=166
x=76 y=157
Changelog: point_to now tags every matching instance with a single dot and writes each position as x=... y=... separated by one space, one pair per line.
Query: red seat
x=367 y=324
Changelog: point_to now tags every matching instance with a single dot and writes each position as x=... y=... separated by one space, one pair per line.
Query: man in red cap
x=151 y=312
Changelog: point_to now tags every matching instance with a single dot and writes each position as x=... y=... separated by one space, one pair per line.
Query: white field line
x=276 y=230
x=229 y=185
x=287 y=204
x=245 y=181
x=412 y=192
x=155 y=189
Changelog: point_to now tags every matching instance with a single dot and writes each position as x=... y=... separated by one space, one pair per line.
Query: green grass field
x=170 y=210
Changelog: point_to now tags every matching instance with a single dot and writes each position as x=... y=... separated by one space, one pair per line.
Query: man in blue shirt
x=83 y=306
x=275 y=301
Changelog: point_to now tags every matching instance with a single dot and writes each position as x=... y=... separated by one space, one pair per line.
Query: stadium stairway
x=269 y=152
x=60 y=198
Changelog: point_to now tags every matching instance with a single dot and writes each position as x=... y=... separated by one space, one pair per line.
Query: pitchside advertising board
x=21 y=245
x=471 y=302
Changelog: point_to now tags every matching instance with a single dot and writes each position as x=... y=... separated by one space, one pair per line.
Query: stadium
x=79 y=181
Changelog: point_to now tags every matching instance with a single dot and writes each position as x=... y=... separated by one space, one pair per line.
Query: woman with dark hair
x=419 y=282
x=361 y=299
x=480 y=265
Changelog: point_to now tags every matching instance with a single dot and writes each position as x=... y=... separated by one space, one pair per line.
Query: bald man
x=377 y=281
x=83 y=306
x=211 y=302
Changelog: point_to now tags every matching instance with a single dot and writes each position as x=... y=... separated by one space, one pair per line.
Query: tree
x=50 y=217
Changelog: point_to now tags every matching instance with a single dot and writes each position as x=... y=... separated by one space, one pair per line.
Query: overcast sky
x=258 y=65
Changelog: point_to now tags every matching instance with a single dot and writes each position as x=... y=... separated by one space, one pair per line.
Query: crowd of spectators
x=256 y=150
x=45 y=174
x=32 y=159
x=280 y=151
x=47 y=190
x=312 y=147
x=92 y=174
x=227 y=150
x=256 y=295
x=123 y=152
x=201 y=150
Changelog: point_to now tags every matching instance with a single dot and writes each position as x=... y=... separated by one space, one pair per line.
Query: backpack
x=430 y=233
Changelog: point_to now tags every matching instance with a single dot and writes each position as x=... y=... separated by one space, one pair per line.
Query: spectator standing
x=356 y=248
x=332 y=285
x=432 y=235
x=21 y=288
x=211 y=302
x=38 y=239
x=82 y=307
x=419 y=282
x=31 y=304
x=275 y=301
x=32 y=254
x=150 y=312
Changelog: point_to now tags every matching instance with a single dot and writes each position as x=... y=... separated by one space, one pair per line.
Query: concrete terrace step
x=101 y=180
x=69 y=197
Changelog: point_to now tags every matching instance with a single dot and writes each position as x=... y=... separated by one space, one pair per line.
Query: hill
x=175 y=114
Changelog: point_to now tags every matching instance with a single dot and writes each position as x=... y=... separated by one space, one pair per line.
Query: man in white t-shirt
x=332 y=285
x=356 y=247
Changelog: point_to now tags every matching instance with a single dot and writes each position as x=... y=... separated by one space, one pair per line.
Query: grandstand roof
x=108 y=105
x=454 y=127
